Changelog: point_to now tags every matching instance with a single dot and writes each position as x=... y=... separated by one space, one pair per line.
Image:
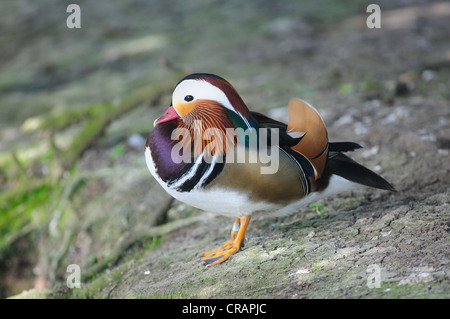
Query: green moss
x=33 y=294
x=396 y=291
x=20 y=208
x=154 y=242
x=161 y=294
x=319 y=208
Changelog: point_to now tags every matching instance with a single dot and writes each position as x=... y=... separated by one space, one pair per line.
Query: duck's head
x=208 y=98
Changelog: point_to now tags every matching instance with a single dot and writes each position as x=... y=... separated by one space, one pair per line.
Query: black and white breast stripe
x=195 y=175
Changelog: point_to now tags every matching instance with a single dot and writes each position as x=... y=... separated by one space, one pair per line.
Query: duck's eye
x=188 y=98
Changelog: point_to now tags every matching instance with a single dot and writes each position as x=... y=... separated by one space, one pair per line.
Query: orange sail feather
x=304 y=119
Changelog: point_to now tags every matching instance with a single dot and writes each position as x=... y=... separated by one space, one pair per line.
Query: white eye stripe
x=203 y=90
x=200 y=90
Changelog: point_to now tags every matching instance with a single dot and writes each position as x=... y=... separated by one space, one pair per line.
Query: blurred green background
x=77 y=104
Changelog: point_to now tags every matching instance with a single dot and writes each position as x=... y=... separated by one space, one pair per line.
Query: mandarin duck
x=202 y=151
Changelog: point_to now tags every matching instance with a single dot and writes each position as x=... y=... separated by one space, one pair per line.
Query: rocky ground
x=77 y=104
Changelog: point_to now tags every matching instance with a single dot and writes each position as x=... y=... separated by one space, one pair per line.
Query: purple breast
x=161 y=145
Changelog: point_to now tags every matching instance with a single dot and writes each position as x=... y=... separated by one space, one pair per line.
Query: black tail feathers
x=347 y=168
x=343 y=146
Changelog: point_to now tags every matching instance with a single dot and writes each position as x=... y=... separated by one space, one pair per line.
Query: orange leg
x=235 y=243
